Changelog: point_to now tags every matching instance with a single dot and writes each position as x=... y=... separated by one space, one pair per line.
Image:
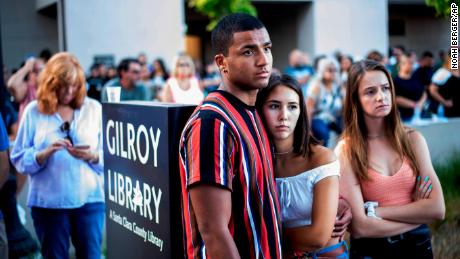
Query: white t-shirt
x=441 y=76
x=295 y=194
x=193 y=95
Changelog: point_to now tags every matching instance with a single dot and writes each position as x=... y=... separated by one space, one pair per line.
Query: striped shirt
x=224 y=143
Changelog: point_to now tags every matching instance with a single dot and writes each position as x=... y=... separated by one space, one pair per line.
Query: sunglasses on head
x=65 y=128
x=183 y=65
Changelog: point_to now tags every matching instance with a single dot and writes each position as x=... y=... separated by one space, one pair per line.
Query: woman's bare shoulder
x=322 y=155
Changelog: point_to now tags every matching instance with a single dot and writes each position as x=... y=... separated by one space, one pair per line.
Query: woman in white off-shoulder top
x=307 y=174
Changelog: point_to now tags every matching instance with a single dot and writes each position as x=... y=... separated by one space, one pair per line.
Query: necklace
x=286 y=152
x=375 y=136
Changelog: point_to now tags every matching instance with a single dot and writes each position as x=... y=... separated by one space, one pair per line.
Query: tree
x=215 y=9
x=442 y=6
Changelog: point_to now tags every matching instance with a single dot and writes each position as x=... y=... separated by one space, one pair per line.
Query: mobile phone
x=81 y=146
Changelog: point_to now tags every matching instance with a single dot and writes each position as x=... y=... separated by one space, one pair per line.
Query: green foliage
x=442 y=6
x=449 y=176
x=215 y=9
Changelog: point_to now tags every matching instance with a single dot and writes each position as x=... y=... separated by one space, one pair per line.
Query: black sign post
x=142 y=183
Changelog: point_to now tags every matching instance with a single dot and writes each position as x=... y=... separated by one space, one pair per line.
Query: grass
x=446 y=233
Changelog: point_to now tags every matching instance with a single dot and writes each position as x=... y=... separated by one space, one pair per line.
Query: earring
x=223 y=69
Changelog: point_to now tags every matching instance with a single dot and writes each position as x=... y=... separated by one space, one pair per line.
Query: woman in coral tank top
x=387 y=175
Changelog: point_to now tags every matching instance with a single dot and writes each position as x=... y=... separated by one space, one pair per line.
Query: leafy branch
x=442 y=7
x=215 y=9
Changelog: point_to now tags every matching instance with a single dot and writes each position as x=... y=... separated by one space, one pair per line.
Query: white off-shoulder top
x=296 y=194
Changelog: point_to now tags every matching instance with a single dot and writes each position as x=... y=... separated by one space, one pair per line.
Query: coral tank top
x=390 y=190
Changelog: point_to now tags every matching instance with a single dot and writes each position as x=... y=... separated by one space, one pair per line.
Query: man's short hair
x=222 y=34
x=427 y=54
x=124 y=65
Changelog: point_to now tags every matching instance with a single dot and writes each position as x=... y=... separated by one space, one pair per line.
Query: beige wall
x=424 y=33
x=124 y=28
x=353 y=26
x=25 y=31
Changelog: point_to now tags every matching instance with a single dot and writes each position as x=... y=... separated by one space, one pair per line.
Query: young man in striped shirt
x=229 y=202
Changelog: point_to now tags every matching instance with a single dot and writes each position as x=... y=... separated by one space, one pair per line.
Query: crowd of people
x=279 y=190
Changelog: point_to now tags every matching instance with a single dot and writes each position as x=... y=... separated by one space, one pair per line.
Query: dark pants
x=321 y=129
x=3 y=240
x=83 y=225
x=412 y=244
x=20 y=242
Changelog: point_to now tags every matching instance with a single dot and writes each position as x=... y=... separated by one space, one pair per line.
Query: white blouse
x=295 y=194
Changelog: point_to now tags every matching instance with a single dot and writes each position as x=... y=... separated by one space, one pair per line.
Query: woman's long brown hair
x=355 y=131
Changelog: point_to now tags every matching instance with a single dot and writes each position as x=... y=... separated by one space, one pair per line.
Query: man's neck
x=246 y=96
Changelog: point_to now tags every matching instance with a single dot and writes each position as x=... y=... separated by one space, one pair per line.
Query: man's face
x=133 y=74
x=249 y=60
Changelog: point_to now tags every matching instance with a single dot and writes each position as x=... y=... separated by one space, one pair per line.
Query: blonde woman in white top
x=307 y=174
x=182 y=86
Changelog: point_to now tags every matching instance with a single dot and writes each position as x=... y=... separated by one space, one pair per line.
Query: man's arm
x=16 y=84
x=213 y=209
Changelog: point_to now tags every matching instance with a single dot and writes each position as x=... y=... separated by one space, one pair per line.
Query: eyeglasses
x=332 y=70
x=65 y=128
x=135 y=71
x=183 y=65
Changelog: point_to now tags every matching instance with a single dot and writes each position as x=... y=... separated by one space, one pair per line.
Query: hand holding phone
x=81 y=146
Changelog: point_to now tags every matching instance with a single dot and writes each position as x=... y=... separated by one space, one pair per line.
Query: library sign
x=142 y=183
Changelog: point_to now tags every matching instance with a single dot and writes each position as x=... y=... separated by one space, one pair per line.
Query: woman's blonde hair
x=355 y=130
x=183 y=58
x=62 y=70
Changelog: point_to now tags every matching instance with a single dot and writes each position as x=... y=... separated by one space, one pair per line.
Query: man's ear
x=221 y=62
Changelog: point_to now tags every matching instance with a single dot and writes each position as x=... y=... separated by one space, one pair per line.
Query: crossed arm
x=361 y=224
x=421 y=210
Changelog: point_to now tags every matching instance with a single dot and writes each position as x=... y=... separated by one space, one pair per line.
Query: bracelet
x=370 y=209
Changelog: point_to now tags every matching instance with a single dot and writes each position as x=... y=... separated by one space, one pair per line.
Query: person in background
x=393 y=62
x=424 y=72
x=146 y=80
x=183 y=85
x=95 y=82
x=23 y=84
x=307 y=174
x=410 y=92
x=159 y=76
x=142 y=58
x=111 y=73
x=445 y=89
x=345 y=62
x=211 y=80
x=299 y=68
x=129 y=71
x=59 y=146
x=324 y=101
x=229 y=203
x=377 y=57
x=386 y=171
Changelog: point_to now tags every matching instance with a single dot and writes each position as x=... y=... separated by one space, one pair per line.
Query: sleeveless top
x=295 y=194
x=390 y=190
x=193 y=95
